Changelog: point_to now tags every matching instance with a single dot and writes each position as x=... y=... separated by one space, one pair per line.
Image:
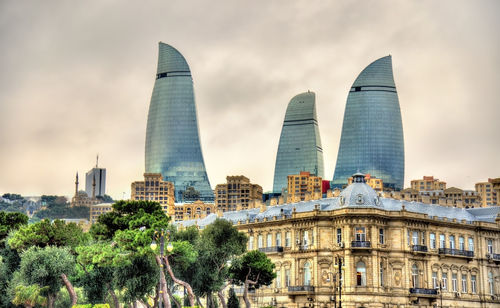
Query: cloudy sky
x=76 y=78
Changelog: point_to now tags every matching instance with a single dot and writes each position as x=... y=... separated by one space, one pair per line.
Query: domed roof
x=359 y=193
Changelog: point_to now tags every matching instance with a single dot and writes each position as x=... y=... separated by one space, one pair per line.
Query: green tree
x=138 y=278
x=253 y=270
x=10 y=221
x=46 y=233
x=29 y=296
x=233 y=301
x=48 y=267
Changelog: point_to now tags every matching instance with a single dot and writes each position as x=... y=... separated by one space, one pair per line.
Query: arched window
x=491 y=284
x=208 y=211
x=307 y=274
x=361 y=274
x=414 y=276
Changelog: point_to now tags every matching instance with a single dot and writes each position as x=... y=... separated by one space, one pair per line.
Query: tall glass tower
x=172 y=136
x=300 y=143
x=372 y=132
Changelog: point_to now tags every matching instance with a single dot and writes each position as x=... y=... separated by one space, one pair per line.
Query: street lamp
x=340 y=266
x=159 y=235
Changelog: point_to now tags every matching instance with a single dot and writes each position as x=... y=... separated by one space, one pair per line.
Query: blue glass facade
x=172 y=136
x=300 y=143
x=372 y=132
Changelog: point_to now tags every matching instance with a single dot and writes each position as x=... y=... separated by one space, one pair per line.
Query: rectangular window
x=269 y=241
x=360 y=234
x=464 y=283
x=452 y=241
x=381 y=274
x=287 y=278
x=414 y=238
x=278 y=239
x=339 y=235
x=278 y=279
x=444 y=280
x=260 y=241
x=471 y=244
x=381 y=236
x=305 y=240
x=250 y=242
x=454 y=282
x=490 y=246
x=473 y=284
x=435 y=280
x=433 y=240
x=288 y=239
x=442 y=241
x=461 y=243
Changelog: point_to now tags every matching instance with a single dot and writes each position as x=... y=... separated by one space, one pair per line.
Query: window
x=360 y=234
x=490 y=246
x=360 y=274
x=414 y=238
x=381 y=274
x=454 y=282
x=381 y=236
x=287 y=278
x=435 y=280
x=461 y=243
x=444 y=280
x=490 y=283
x=288 y=239
x=305 y=239
x=414 y=276
x=442 y=241
x=433 y=240
x=464 y=283
x=307 y=274
x=260 y=241
x=339 y=235
x=452 y=241
x=250 y=242
x=278 y=279
x=471 y=244
x=278 y=239
x=269 y=241
x=473 y=284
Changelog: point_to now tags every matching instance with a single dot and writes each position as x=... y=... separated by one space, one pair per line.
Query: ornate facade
x=362 y=250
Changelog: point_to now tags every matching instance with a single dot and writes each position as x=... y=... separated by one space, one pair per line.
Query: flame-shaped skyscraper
x=372 y=132
x=172 y=136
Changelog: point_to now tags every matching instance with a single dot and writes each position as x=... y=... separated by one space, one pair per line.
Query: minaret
x=93 y=187
x=97 y=161
x=76 y=184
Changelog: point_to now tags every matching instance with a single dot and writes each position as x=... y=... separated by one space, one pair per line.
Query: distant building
x=304 y=186
x=489 y=195
x=97 y=210
x=195 y=210
x=81 y=198
x=154 y=188
x=373 y=182
x=237 y=193
x=428 y=183
x=299 y=147
x=454 y=197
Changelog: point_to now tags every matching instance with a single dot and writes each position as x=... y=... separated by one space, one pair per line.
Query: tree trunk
x=71 y=290
x=185 y=284
x=199 y=302
x=111 y=292
x=163 y=285
x=144 y=303
x=173 y=298
x=245 y=294
x=50 y=300
x=222 y=299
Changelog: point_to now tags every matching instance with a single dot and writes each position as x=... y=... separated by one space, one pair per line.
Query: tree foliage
x=253 y=266
x=233 y=301
x=10 y=221
x=29 y=296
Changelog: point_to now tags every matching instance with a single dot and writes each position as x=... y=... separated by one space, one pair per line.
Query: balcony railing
x=301 y=289
x=423 y=291
x=419 y=248
x=456 y=252
x=271 y=249
x=360 y=244
x=496 y=256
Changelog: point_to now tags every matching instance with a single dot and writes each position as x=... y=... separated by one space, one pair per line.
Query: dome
x=359 y=193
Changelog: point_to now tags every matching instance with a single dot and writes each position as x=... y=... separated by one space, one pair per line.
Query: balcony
x=361 y=244
x=300 y=289
x=419 y=248
x=421 y=292
x=456 y=252
x=271 y=249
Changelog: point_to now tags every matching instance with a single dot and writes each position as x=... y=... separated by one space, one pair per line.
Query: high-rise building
x=300 y=142
x=154 y=188
x=304 y=187
x=96 y=176
x=489 y=196
x=238 y=193
x=172 y=136
x=372 y=132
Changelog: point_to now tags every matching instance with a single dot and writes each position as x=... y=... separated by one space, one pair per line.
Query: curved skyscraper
x=172 y=136
x=300 y=143
x=372 y=132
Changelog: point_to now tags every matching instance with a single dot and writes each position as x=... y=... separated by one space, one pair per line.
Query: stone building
x=375 y=183
x=97 y=210
x=362 y=250
x=154 y=188
x=237 y=193
x=428 y=183
x=81 y=198
x=195 y=210
x=452 y=196
x=489 y=195
x=304 y=186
